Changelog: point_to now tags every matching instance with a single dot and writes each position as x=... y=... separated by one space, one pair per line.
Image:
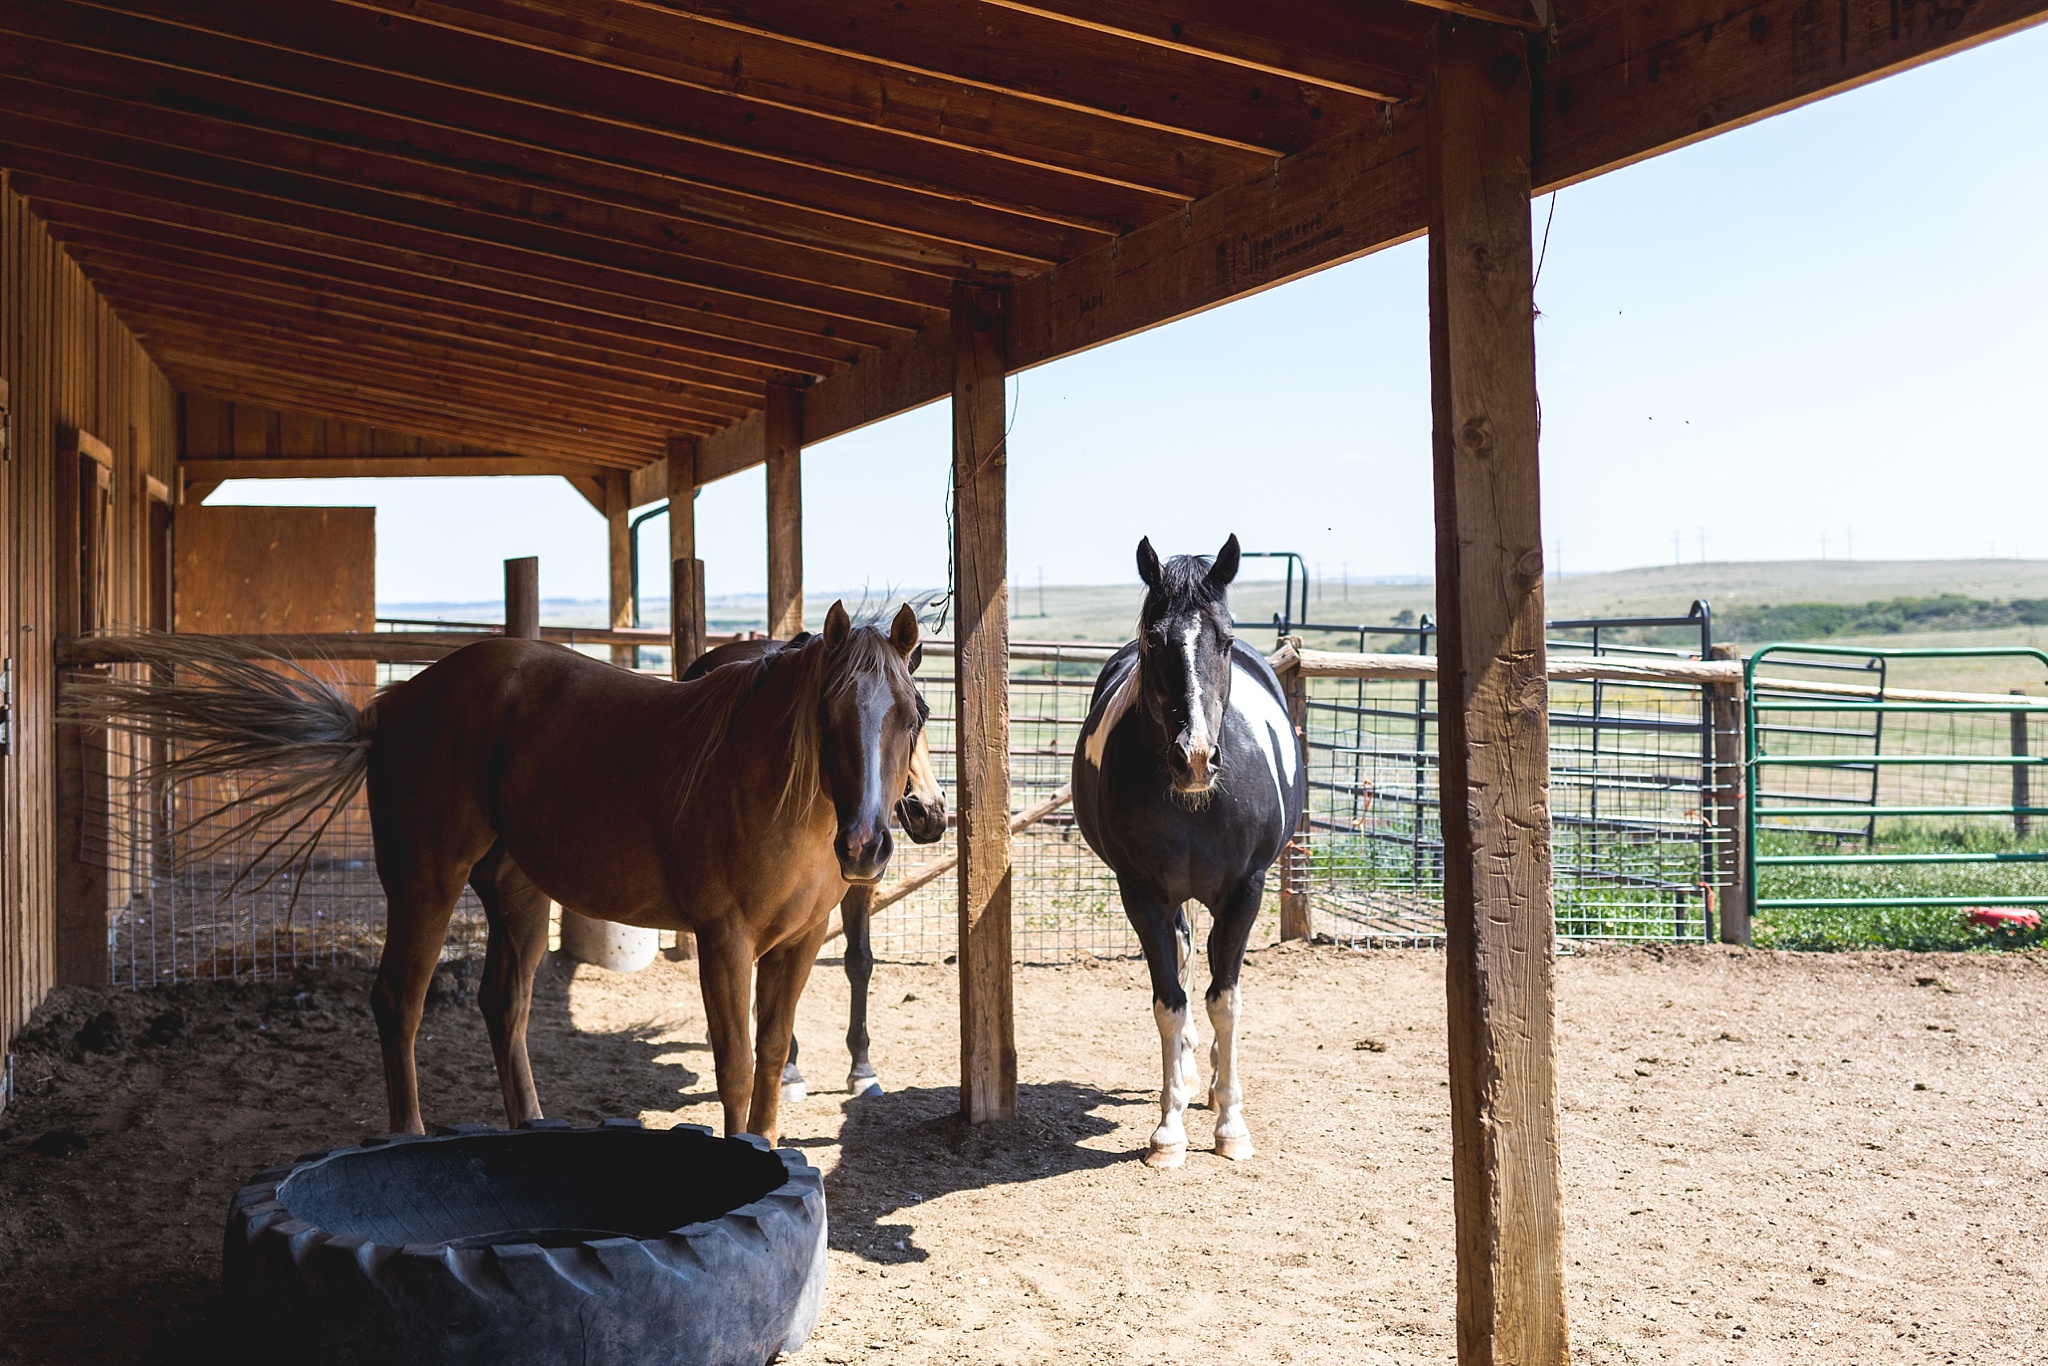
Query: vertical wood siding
x=69 y=362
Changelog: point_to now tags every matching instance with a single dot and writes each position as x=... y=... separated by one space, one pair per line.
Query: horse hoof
x=1163 y=1157
x=867 y=1085
x=793 y=1091
x=1236 y=1149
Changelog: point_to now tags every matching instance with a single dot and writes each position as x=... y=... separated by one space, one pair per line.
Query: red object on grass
x=2003 y=917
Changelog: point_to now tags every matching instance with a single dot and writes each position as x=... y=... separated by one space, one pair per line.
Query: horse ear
x=1225 y=567
x=1148 y=563
x=903 y=632
x=916 y=657
x=838 y=626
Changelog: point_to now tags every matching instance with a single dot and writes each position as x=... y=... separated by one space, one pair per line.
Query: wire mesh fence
x=1635 y=852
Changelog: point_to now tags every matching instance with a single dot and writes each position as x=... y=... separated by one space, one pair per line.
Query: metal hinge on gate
x=6 y=706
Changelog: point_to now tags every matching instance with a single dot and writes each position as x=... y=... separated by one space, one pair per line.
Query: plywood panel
x=259 y=570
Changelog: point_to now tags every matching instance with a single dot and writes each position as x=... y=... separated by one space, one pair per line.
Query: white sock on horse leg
x=1226 y=1093
x=1170 y=1140
x=792 y=1084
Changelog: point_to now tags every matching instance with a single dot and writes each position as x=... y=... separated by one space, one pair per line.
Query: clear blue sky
x=1831 y=324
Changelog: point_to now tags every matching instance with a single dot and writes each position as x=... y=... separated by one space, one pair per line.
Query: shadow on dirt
x=904 y=1148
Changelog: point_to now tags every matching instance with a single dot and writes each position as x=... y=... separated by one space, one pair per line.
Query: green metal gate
x=1860 y=794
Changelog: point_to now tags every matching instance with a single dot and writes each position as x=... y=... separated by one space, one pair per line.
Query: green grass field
x=1922 y=927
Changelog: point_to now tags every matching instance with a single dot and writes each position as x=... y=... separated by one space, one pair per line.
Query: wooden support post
x=1296 y=918
x=2021 y=788
x=782 y=429
x=618 y=512
x=686 y=571
x=84 y=826
x=1724 y=705
x=1499 y=932
x=981 y=609
x=522 y=598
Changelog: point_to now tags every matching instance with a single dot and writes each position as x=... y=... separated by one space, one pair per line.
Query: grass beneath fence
x=1923 y=928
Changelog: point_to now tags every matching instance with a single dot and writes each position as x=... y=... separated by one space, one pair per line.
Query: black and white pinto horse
x=1188 y=782
x=920 y=811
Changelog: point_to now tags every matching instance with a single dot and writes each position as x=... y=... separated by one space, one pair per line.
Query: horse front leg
x=1162 y=928
x=1230 y=929
x=861 y=1079
x=725 y=962
x=781 y=978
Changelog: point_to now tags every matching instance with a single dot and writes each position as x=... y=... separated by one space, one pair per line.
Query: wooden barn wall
x=68 y=363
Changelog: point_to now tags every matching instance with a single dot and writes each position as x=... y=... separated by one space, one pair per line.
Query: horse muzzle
x=1195 y=771
x=864 y=860
x=925 y=823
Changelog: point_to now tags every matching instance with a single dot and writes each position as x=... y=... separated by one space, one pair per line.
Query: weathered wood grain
x=1493 y=704
x=782 y=437
x=981 y=609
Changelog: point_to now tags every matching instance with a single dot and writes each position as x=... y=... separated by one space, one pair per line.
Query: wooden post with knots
x=981 y=610
x=686 y=571
x=1499 y=933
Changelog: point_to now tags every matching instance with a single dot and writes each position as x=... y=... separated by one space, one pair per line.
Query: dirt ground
x=1768 y=1157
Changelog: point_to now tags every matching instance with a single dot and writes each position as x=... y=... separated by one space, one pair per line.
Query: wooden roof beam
x=120 y=261
x=190 y=73
x=197 y=469
x=1369 y=48
x=353 y=238
x=92 y=216
x=792 y=141
x=869 y=302
x=257 y=315
x=658 y=41
x=1087 y=70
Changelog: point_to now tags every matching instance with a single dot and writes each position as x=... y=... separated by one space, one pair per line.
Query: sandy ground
x=1767 y=1158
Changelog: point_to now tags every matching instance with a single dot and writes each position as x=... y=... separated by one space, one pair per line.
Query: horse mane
x=715 y=701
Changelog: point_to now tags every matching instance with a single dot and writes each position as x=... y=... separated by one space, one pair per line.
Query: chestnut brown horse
x=921 y=811
x=739 y=807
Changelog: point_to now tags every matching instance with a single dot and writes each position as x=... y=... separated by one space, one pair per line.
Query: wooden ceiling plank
x=256 y=289
x=376 y=467
x=466 y=65
x=178 y=202
x=767 y=70
x=1372 y=48
x=128 y=59
x=151 y=290
x=148 y=227
x=1087 y=71
x=1519 y=14
x=40 y=119
x=415 y=368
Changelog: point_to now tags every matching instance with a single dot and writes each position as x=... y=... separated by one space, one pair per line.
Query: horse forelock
x=1183 y=586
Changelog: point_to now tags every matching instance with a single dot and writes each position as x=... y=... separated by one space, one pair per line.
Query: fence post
x=1296 y=919
x=2021 y=822
x=522 y=598
x=1725 y=714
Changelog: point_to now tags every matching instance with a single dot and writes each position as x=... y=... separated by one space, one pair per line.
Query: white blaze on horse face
x=1269 y=726
x=1199 y=741
x=1226 y=1093
x=1113 y=708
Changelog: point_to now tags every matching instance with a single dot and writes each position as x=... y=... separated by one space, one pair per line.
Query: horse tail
x=222 y=711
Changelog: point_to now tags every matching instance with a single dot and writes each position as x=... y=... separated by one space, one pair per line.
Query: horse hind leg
x=1227 y=937
x=518 y=913
x=1190 y=1038
x=861 y=1079
x=421 y=905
